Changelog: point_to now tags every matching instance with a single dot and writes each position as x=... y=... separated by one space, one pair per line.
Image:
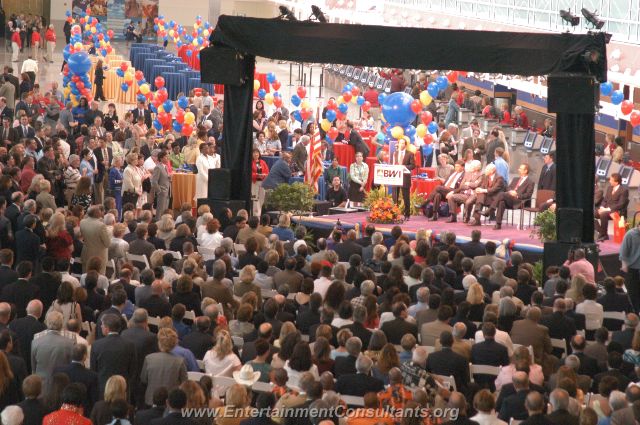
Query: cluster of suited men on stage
x=487 y=194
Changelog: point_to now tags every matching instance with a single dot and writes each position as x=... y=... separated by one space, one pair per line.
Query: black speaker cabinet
x=569 y=223
x=565 y=88
x=217 y=205
x=556 y=253
x=222 y=65
x=219 y=184
x=321 y=207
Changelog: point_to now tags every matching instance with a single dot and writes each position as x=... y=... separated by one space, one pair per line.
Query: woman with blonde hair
x=283 y=229
x=246 y=283
x=475 y=298
x=163 y=369
x=221 y=360
x=286 y=329
x=387 y=359
x=59 y=242
x=575 y=290
x=521 y=361
x=237 y=400
x=166 y=229
x=115 y=389
x=45 y=198
x=132 y=183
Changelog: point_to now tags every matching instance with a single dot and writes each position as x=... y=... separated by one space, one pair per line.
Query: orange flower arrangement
x=384 y=211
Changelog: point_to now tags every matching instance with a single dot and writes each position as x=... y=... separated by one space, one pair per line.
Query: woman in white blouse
x=206 y=161
x=593 y=312
x=358 y=176
x=212 y=237
x=300 y=362
x=132 y=178
x=221 y=360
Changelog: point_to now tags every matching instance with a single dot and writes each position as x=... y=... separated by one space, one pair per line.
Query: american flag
x=314 y=162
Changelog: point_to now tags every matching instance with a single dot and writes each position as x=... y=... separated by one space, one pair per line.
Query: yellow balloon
x=340 y=100
x=354 y=99
x=189 y=118
x=397 y=132
x=256 y=85
x=305 y=104
x=171 y=33
x=205 y=33
x=160 y=108
x=194 y=42
x=87 y=27
x=78 y=46
x=425 y=98
x=411 y=148
x=93 y=30
x=382 y=118
x=144 y=89
x=325 y=124
x=421 y=130
x=268 y=98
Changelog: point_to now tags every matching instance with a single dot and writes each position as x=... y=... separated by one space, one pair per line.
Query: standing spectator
x=50 y=38
x=51 y=348
x=163 y=369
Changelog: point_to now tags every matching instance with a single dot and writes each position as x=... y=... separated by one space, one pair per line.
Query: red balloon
x=626 y=107
x=426 y=117
x=452 y=76
x=306 y=113
x=276 y=85
x=333 y=133
x=366 y=106
x=331 y=104
x=416 y=106
x=80 y=85
x=277 y=101
x=162 y=95
x=347 y=96
x=428 y=138
x=302 y=92
x=162 y=116
x=187 y=129
x=635 y=118
x=75 y=78
x=159 y=81
x=129 y=83
x=355 y=91
x=180 y=116
x=340 y=115
x=139 y=75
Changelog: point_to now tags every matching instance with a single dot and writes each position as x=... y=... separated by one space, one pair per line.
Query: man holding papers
x=403 y=157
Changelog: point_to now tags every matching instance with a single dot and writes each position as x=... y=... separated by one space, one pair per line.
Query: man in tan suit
x=431 y=331
x=252 y=231
x=529 y=332
x=96 y=238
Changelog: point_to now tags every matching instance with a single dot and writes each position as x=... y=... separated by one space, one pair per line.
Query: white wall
x=184 y=12
x=249 y=8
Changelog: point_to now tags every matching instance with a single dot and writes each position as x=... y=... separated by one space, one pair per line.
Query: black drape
x=575 y=144
x=238 y=135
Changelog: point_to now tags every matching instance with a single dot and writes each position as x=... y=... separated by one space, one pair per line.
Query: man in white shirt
x=65 y=148
x=29 y=66
x=322 y=283
x=150 y=163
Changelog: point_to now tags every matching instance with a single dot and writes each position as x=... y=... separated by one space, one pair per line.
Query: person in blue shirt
x=502 y=167
x=115 y=181
x=280 y=172
x=80 y=111
x=283 y=229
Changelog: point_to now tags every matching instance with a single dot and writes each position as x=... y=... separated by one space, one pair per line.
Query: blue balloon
x=119 y=73
x=297 y=115
x=432 y=127
x=167 y=105
x=271 y=77
x=189 y=53
x=200 y=40
x=79 y=63
x=606 y=88
x=67 y=13
x=179 y=43
x=177 y=126
x=433 y=89
x=410 y=131
x=331 y=115
x=157 y=125
x=262 y=93
x=124 y=87
x=141 y=98
x=381 y=98
x=66 y=52
x=397 y=109
x=172 y=23
x=442 y=82
x=153 y=108
x=360 y=101
x=183 y=102
x=295 y=100
x=617 y=97
x=343 y=107
x=276 y=94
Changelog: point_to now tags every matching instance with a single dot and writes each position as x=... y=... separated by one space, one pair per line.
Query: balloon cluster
x=617 y=98
x=195 y=39
x=76 y=80
x=88 y=31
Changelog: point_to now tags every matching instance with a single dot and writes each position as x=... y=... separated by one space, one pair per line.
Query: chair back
x=543 y=196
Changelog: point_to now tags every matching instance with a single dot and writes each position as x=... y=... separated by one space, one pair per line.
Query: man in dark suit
x=439 y=193
x=588 y=365
x=310 y=316
x=265 y=332
x=536 y=408
x=25 y=131
x=547 y=179
x=447 y=362
x=156 y=305
x=48 y=281
x=559 y=325
x=26 y=327
x=27 y=242
x=359 y=383
x=199 y=341
x=488 y=352
x=144 y=417
x=77 y=372
x=346 y=365
x=559 y=400
x=357 y=328
x=513 y=406
x=365 y=241
x=616 y=199
x=176 y=401
x=474 y=247
x=7 y=274
x=625 y=336
x=476 y=144
x=403 y=157
x=20 y=292
x=347 y=248
x=519 y=191
x=118 y=301
x=613 y=300
x=492 y=184
x=465 y=192
x=356 y=141
x=144 y=343
x=113 y=355
x=7 y=132
x=141 y=110
x=614 y=368
x=395 y=329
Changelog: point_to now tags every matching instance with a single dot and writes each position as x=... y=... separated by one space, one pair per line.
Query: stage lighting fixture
x=570 y=18
x=286 y=13
x=592 y=18
x=317 y=13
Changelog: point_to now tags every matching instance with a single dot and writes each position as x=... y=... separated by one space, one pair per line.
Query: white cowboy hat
x=246 y=375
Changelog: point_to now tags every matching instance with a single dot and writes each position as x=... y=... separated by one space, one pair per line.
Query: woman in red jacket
x=50 y=37
x=505 y=115
x=259 y=171
x=35 y=43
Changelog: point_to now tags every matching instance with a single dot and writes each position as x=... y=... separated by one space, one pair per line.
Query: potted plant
x=296 y=198
x=545 y=226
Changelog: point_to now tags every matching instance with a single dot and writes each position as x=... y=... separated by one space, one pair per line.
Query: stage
x=530 y=247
